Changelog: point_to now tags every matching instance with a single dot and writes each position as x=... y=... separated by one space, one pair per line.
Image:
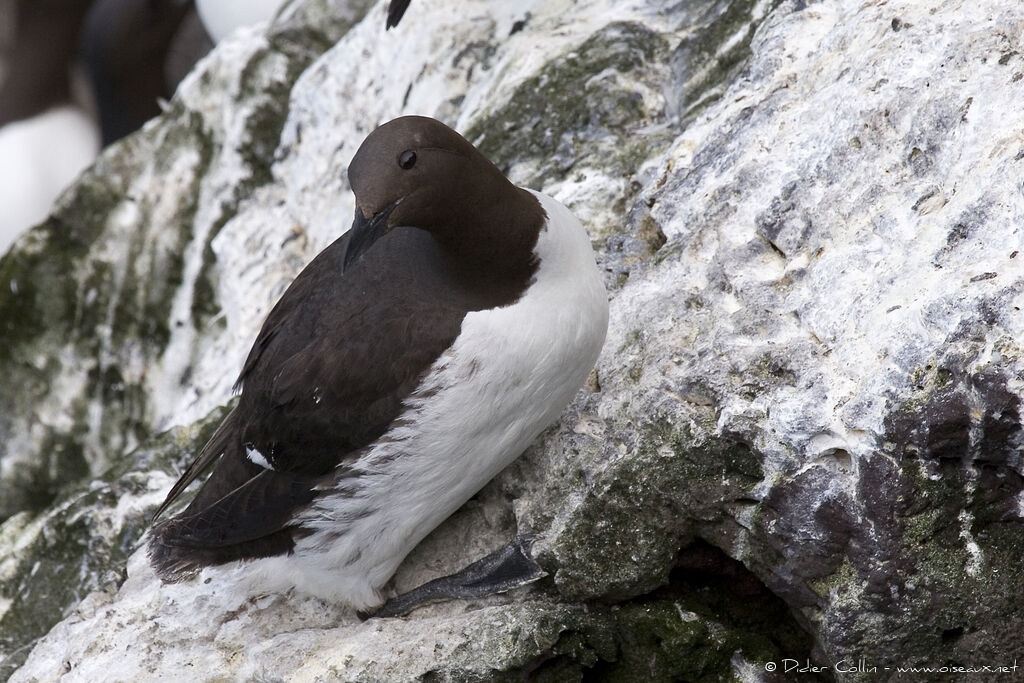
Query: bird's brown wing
x=328 y=373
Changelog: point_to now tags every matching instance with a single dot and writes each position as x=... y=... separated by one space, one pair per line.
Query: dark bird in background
x=396 y=10
x=46 y=139
x=222 y=17
x=122 y=46
x=408 y=364
x=68 y=67
x=127 y=46
x=37 y=60
x=77 y=74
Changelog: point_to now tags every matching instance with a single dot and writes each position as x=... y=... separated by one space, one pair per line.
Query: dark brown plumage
x=352 y=337
x=396 y=9
x=39 y=59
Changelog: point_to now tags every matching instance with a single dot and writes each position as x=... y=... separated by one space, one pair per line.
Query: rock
x=52 y=561
x=802 y=439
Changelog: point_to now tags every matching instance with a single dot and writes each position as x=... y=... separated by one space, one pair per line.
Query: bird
x=126 y=47
x=46 y=139
x=43 y=44
x=396 y=9
x=222 y=17
x=80 y=74
x=410 y=362
x=33 y=176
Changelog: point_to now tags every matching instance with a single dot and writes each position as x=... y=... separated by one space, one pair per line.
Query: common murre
x=222 y=17
x=76 y=76
x=46 y=138
x=409 y=363
x=126 y=46
x=396 y=9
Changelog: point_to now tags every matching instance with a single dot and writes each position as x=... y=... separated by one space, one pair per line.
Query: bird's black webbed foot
x=504 y=569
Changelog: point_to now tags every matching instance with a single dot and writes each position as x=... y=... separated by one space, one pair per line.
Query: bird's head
x=415 y=171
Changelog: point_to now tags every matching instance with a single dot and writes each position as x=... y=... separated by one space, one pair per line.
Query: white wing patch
x=257 y=458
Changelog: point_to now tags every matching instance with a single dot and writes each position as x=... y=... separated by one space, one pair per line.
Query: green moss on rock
x=656 y=639
x=623 y=538
x=265 y=82
x=49 y=562
x=708 y=58
x=86 y=299
x=841 y=583
x=583 y=109
x=73 y=313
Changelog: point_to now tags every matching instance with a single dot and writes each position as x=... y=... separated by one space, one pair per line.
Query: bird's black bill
x=366 y=231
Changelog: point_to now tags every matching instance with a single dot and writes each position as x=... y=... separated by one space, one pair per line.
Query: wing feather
x=213 y=449
x=330 y=369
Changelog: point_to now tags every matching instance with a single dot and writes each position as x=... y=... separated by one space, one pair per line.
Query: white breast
x=221 y=17
x=41 y=156
x=508 y=376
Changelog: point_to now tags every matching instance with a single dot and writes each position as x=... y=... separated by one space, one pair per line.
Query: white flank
x=509 y=375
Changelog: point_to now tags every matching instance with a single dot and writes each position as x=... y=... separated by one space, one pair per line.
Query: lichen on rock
x=80 y=544
x=808 y=217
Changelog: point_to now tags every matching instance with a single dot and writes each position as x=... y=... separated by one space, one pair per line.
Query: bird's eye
x=407 y=159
